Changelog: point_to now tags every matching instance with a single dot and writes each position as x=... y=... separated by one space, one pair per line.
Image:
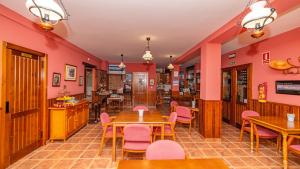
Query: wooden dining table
x=151 y=118
x=280 y=125
x=173 y=164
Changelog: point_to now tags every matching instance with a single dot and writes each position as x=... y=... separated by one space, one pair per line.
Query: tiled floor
x=81 y=151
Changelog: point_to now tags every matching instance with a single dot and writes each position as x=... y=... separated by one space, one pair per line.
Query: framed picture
x=151 y=82
x=56 y=78
x=290 y=87
x=81 y=79
x=70 y=72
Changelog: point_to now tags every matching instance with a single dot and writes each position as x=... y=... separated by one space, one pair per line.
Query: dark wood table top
x=173 y=164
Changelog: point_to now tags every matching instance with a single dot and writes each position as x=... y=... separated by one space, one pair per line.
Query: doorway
x=88 y=87
x=236 y=92
x=24 y=99
x=140 y=88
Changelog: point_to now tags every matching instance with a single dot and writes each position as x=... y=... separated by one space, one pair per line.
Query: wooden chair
x=107 y=129
x=169 y=128
x=294 y=148
x=259 y=132
x=173 y=105
x=137 y=138
x=165 y=150
x=185 y=116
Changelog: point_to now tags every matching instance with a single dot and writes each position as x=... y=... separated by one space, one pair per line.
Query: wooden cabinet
x=66 y=121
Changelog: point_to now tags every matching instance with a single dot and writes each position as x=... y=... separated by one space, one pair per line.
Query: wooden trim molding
x=210 y=118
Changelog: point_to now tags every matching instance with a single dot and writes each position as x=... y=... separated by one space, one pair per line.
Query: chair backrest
x=183 y=112
x=247 y=113
x=137 y=132
x=174 y=103
x=165 y=150
x=104 y=117
x=173 y=117
x=140 y=107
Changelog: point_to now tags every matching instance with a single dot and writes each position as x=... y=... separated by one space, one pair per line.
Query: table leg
x=284 y=150
x=163 y=132
x=114 y=143
x=251 y=135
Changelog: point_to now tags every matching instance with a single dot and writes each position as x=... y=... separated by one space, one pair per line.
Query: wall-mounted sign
x=233 y=55
x=266 y=58
x=291 y=87
x=232 y=63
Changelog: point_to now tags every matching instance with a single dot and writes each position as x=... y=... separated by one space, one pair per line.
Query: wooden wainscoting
x=275 y=109
x=226 y=108
x=210 y=118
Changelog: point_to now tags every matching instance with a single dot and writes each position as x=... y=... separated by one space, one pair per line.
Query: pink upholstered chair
x=107 y=129
x=137 y=138
x=295 y=148
x=259 y=132
x=173 y=105
x=169 y=128
x=139 y=107
x=184 y=115
x=165 y=150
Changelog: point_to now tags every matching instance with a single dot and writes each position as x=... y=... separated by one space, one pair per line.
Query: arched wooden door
x=25 y=75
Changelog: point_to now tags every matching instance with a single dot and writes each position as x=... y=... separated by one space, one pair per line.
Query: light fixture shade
x=49 y=9
x=170 y=66
x=147 y=56
x=259 y=16
x=122 y=65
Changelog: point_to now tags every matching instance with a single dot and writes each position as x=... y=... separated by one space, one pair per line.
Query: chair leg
x=174 y=138
x=278 y=143
x=102 y=143
x=123 y=154
x=242 y=132
x=190 y=127
x=257 y=142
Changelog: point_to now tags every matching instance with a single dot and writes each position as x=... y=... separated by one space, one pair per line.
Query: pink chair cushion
x=168 y=130
x=183 y=119
x=183 y=112
x=295 y=147
x=137 y=133
x=135 y=145
x=263 y=132
x=173 y=117
x=140 y=107
x=104 y=117
x=165 y=150
x=247 y=113
x=174 y=103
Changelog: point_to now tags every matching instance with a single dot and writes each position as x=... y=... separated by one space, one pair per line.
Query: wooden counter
x=66 y=121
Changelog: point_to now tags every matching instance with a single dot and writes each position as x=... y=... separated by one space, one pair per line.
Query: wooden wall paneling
x=210 y=118
x=152 y=98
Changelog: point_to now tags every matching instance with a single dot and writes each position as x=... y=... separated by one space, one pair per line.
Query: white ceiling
x=107 y=28
x=284 y=23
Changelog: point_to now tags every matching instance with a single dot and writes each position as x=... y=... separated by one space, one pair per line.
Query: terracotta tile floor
x=81 y=151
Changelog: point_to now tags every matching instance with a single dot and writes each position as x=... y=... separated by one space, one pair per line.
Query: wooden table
x=173 y=164
x=280 y=125
x=152 y=118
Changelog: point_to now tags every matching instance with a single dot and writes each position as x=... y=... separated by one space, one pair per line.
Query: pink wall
x=283 y=46
x=141 y=67
x=20 y=31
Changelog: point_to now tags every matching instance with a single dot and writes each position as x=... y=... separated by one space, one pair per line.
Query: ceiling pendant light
x=49 y=12
x=170 y=66
x=148 y=56
x=261 y=14
x=122 y=65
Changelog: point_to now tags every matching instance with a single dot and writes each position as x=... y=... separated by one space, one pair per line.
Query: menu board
x=242 y=85
x=291 y=87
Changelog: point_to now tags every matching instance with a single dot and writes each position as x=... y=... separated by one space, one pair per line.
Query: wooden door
x=236 y=92
x=140 y=88
x=25 y=100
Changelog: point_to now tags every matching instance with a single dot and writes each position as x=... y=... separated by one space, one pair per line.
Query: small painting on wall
x=70 y=72
x=56 y=78
x=81 y=80
x=151 y=82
